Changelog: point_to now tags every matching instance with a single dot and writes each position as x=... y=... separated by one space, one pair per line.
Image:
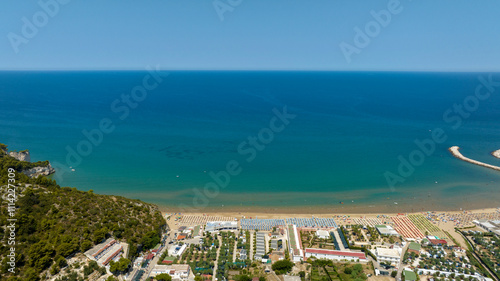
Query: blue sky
x=425 y=35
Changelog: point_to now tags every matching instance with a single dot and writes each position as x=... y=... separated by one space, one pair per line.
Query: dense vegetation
x=201 y=258
x=226 y=253
x=282 y=266
x=326 y=270
x=54 y=223
x=487 y=246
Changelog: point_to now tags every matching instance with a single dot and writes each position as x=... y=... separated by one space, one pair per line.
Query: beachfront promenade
x=455 y=151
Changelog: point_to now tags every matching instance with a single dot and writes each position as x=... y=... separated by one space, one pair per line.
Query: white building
x=491 y=226
x=105 y=252
x=323 y=234
x=176 y=250
x=177 y=271
x=294 y=246
x=335 y=255
x=291 y=278
x=221 y=225
x=260 y=250
x=392 y=256
x=386 y=230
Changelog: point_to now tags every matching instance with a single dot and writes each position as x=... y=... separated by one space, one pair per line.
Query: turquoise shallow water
x=348 y=131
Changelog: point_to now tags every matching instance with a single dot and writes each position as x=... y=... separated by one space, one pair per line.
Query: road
x=155 y=260
x=400 y=265
x=235 y=249
x=339 y=241
x=275 y=276
x=364 y=235
x=217 y=259
x=250 y=254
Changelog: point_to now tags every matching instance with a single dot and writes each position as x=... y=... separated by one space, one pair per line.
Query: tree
x=61 y=262
x=86 y=245
x=282 y=266
x=120 y=266
x=150 y=239
x=40 y=255
x=163 y=277
x=100 y=235
x=31 y=275
x=66 y=249
x=54 y=269
x=198 y=278
x=244 y=278
x=302 y=274
x=394 y=273
x=357 y=267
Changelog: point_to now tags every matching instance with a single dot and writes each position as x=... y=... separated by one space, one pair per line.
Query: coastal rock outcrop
x=39 y=170
x=21 y=155
x=496 y=153
x=30 y=169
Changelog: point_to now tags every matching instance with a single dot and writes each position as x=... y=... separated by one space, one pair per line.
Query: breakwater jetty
x=496 y=153
x=455 y=151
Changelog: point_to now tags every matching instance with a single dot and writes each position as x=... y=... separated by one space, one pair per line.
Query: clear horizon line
x=239 y=70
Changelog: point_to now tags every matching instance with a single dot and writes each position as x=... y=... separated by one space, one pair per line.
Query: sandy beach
x=407 y=205
x=262 y=214
x=446 y=221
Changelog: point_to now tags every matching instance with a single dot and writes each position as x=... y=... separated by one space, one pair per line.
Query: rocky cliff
x=30 y=169
x=39 y=170
x=21 y=156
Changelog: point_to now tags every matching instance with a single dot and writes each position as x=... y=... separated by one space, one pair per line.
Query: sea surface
x=340 y=135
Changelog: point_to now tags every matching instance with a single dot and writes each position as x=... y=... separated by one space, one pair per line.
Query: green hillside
x=54 y=222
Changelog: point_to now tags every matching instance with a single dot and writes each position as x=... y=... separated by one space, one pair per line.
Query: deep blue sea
x=347 y=131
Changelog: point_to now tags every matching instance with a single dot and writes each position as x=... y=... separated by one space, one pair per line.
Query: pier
x=496 y=153
x=456 y=153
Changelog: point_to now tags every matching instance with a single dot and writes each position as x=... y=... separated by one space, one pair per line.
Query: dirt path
x=450 y=228
x=217 y=259
x=250 y=254
x=234 y=250
x=339 y=241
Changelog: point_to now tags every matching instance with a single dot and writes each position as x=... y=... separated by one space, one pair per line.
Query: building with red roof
x=438 y=242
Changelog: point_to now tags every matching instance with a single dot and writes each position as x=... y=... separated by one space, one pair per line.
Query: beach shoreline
x=275 y=212
x=347 y=218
